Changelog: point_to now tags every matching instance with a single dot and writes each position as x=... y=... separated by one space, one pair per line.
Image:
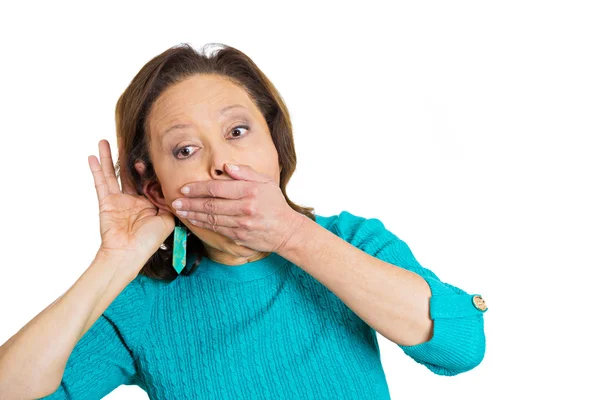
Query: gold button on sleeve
x=479 y=303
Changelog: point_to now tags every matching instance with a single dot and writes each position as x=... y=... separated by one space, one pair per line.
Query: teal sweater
x=263 y=330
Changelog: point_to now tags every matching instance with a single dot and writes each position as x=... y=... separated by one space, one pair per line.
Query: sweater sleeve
x=458 y=343
x=105 y=356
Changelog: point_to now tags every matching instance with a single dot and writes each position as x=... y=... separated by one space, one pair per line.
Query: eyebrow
x=181 y=126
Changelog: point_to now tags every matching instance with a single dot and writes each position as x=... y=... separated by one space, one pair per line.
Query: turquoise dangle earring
x=179 y=247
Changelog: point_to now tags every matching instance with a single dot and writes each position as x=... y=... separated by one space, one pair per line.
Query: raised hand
x=130 y=225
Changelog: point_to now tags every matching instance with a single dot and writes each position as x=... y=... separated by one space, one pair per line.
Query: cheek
x=172 y=179
x=171 y=185
x=264 y=160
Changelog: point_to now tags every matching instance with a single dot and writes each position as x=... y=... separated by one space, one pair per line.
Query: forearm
x=392 y=300
x=33 y=360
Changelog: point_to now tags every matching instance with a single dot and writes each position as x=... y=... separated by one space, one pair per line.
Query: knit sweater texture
x=263 y=330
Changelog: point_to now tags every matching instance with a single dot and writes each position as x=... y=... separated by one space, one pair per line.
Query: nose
x=220 y=154
x=218 y=172
x=217 y=169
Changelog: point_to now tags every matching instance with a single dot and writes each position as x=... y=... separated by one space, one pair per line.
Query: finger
x=127 y=187
x=126 y=184
x=108 y=167
x=126 y=179
x=223 y=189
x=246 y=172
x=224 y=224
x=189 y=207
x=99 y=180
x=225 y=231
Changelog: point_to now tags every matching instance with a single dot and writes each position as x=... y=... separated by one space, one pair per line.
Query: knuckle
x=210 y=206
x=246 y=224
x=211 y=188
x=249 y=208
x=239 y=187
x=212 y=219
x=236 y=236
x=253 y=191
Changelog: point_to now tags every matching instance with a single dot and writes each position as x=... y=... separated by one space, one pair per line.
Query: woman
x=248 y=295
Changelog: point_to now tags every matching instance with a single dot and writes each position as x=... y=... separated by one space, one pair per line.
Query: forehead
x=203 y=95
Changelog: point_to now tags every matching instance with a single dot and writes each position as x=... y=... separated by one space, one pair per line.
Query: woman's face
x=196 y=126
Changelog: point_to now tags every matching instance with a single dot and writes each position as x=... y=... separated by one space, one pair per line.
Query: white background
x=469 y=128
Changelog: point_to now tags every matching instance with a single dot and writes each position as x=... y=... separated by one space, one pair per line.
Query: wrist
x=295 y=239
x=121 y=263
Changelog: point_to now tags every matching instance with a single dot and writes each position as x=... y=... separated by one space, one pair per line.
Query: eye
x=237 y=128
x=180 y=151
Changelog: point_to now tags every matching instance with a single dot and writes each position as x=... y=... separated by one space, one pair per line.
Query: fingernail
x=233 y=167
x=182 y=213
x=185 y=190
x=177 y=204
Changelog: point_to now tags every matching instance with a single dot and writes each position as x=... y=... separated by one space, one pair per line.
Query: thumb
x=245 y=172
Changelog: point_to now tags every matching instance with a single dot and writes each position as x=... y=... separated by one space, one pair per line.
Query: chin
x=242 y=250
x=208 y=236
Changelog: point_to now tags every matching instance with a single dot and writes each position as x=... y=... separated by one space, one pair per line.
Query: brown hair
x=174 y=65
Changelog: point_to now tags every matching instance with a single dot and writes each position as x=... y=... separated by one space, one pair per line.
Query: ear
x=152 y=189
